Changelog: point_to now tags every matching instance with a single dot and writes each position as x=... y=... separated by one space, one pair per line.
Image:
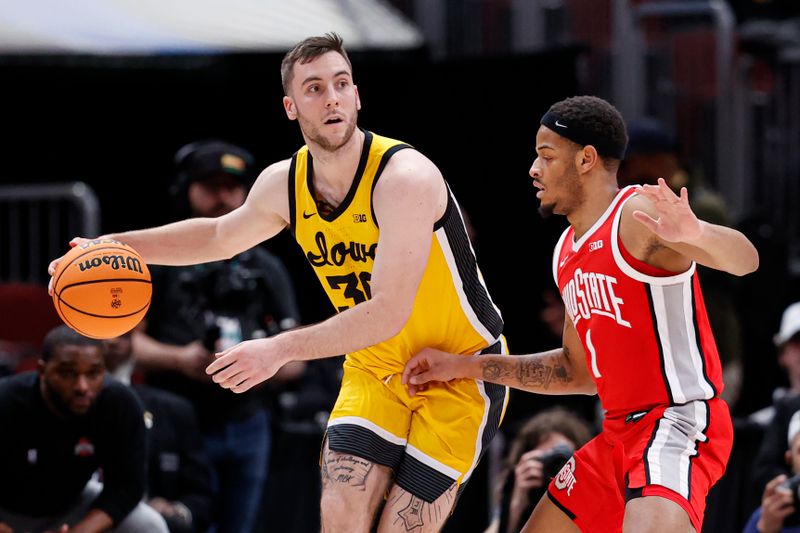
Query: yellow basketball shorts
x=431 y=440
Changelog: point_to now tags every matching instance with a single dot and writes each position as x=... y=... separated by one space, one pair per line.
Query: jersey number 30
x=350 y=284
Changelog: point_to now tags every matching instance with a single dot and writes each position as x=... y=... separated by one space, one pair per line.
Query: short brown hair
x=306 y=51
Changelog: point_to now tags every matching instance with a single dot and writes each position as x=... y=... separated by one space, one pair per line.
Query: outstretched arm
x=408 y=199
x=669 y=217
x=560 y=371
x=201 y=240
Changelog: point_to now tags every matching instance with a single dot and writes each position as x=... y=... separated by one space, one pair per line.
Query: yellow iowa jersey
x=452 y=311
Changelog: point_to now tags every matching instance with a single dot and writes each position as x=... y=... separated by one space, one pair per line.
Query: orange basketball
x=102 y=289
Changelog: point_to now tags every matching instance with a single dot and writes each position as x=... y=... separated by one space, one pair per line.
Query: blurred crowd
x=207 y=460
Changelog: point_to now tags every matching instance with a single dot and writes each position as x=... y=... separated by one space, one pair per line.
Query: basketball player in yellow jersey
x=384 y=234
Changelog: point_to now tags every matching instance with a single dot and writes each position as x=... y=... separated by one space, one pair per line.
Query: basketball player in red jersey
x=636 y=333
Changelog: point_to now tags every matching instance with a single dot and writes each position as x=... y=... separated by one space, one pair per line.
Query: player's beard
x=573 y=193
x=314 y=136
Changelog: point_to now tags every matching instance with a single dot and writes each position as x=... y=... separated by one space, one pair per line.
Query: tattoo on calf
x=526 y=371
x=346 y=469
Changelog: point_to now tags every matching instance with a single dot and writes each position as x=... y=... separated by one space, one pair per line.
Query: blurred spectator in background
x=201 y=309
x=178 y=478
x=535 y=456
x=652 y=153
x=779 y=503
x=60 y=425
x=787 y=340
x=775 y=419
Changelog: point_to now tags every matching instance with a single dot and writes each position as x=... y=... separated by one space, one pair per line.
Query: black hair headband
x=573 y=132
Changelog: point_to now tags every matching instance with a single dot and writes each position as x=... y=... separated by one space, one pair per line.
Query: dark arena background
x=468 y=94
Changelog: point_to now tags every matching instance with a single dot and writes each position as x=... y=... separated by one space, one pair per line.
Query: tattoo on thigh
x=411 y=514
x=415 y=513
x=346 y=469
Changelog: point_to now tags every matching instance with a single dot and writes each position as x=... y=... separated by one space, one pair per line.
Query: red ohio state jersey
x=645 y=331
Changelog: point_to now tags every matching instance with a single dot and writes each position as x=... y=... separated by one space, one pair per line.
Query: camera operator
x=543 y=445
x=779 y=504
x=202 y=309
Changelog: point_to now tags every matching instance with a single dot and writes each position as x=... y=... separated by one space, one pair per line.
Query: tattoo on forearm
x=539 y=371
x=414 y=513
x=346 y=469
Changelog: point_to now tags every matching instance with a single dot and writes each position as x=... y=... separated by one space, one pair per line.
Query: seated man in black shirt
x=178 y=478
x=60 y=425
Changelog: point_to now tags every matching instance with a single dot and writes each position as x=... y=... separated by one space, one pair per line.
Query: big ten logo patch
x=566 y=477
x=359 y=217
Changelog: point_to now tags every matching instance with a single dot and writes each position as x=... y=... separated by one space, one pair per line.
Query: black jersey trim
x=560 y=505
x=476 y=293
x=384 y=161
x=360 y=441
x=362 y=163
x=448 y=211
x=497 y=400
x=292 y=194
x=421 y=480
x=697 y=444
x=697 y=339
x=662 y=363
x=645 y=461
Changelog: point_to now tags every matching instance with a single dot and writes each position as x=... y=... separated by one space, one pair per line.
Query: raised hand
x=51 y=269
x=676 y=221
x=245 y=365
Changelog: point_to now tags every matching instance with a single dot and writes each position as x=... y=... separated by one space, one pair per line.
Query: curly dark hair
x=306 y=51
x=597 y=116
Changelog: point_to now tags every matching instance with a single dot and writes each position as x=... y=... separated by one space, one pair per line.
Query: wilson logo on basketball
x=566 y=477
x=114 y=261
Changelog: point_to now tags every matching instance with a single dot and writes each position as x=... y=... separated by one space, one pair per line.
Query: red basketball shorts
x=676 y=452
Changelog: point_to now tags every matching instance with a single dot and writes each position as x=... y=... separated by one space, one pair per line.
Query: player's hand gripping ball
x=102 y=288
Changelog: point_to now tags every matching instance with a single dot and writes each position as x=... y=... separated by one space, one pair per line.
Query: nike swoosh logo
x=560 y=125
x=306 y=215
